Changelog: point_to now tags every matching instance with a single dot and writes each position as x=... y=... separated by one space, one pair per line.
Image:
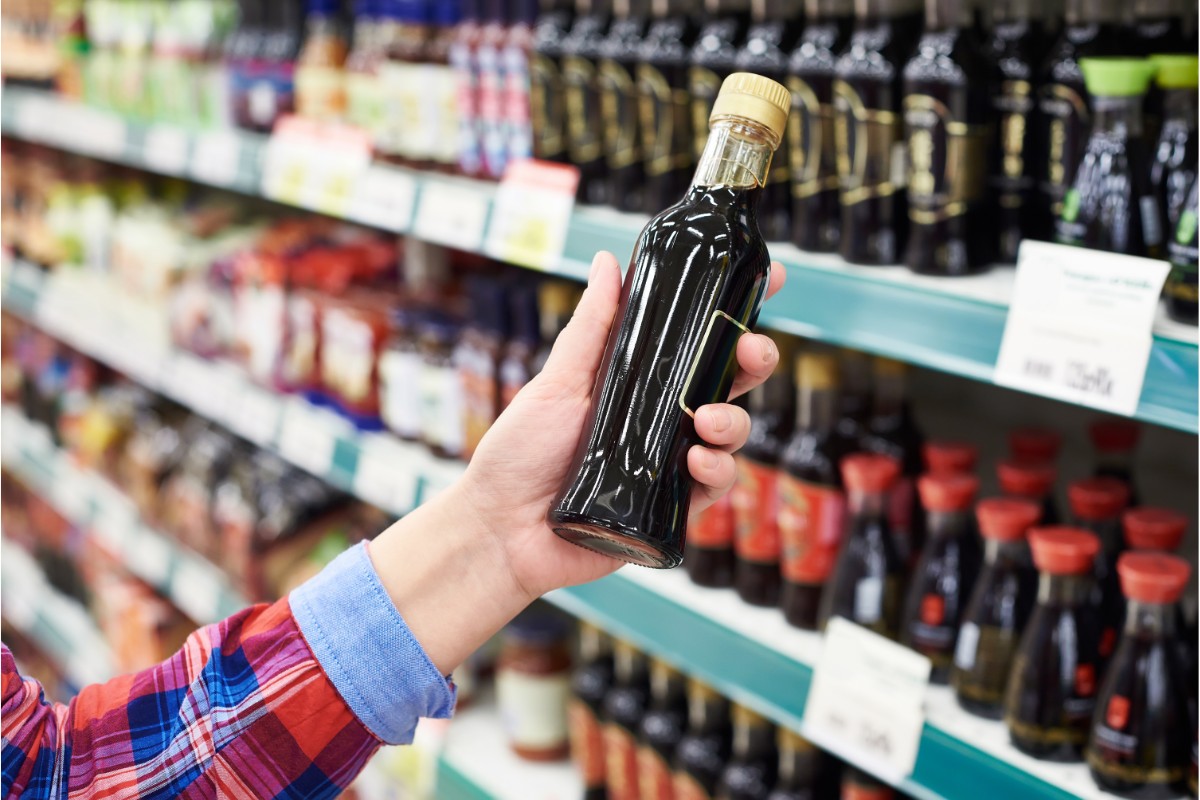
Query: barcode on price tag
x=387 y=473
x=308 y=437
x=452 y=214
x=531 y=214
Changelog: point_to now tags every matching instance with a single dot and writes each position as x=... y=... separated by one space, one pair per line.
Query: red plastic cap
x=947 y=491
x=1026 y=478
x=1154 y=528
x=1060 y=550
x=1098 y=498
x=1034 y=444
x=869 y=472
x=1153 y=577
x=1114 y=435
x=950 y=456
x=1006 y=519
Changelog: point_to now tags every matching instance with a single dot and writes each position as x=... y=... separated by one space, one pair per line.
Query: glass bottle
x=1114 y=442
x=463 y=59
x=1173 y=167
x=442 y=401
x=493 y=37
x=1052 y=687
x=533 y=675
x=1034 y=445
x=816 y=211
x=364 y=89
x=516 y=58
x=866 y=583
x=1097 y=505
x=1031 y=481
x=998 y=607
x=946 y=123
x=320 y=88
x=708 y=554
x=1110 y=205
x=946 y=456
x=868 y=129
x=858 y=785
x=517 y=361
x=1157 y=29
x=547 y=93
x=1140 y=743
x=628 y=489
x=854 y=396
x=750 y=772
x=273 y=92
x=714 y=58
x=478 y=356
x=704 y=749
x=661 y=731
x=624 y=705
x=585 y=128
x=801 y=773
x=405 y=33
x=945 y=572
x=438 y=89
x=1157 y=529
x=619 y=104
x=556 y=303
x=590 y=683
x=812 y=502
x=1181 y=288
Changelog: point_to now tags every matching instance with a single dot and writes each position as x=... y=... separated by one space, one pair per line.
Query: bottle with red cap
x=1031 y=480
x=1034 y=445
x=1114 y=441
x=1097 y=505
x=950 y=456
x=1140 y=736
x=998 y=607
x=1052 y=688
x=866 y=584
x=1158 y=529
x=945 y=572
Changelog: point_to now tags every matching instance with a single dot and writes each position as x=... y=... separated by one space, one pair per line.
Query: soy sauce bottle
x=547 y=95
x=866 y=583
x=590 y=683
x=868 y=129
x=998 y=608
x=750 y=773
x=949 y=457
x=1157 y=30
x=619 y=104
x=1097 y=505
x=1173 y=165
x=580 y=56
x=946 y=122
x=1158 y=530
x=697 y=279
x=661 y=731
x=1052 y=688
x=812 y=501
x=773 y=30
x=664 y=104
x=704 y=749
x=801 y=774
x=1181 y=287
x=816 y=212
x=1031 y=481
x=1114 y=442
x=624 y=705
x=942 y=580
x=714 y=57
x=1140 y=743
x=1034 y=445
x=708 y=554
x=1110 y=205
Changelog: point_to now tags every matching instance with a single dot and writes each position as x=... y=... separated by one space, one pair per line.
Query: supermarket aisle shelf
x=953 y=326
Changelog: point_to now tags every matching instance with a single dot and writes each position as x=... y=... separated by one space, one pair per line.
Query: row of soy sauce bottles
x=641 y=730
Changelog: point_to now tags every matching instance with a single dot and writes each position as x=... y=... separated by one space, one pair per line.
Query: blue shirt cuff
x=362 y=643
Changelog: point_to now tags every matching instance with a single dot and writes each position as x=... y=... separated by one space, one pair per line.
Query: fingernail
x=711 y=461
x=768 y=348
x=720 y=419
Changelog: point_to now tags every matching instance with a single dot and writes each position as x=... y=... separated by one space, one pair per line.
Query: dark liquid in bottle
x=624 y=706
x=665 y=108
x=590 y=683
x=619 y=108
x=1181 y=289
x=708 y=555
x=751 y=771
x=1173 y=167
x=866 y=584
x=704 y=749
x=585 y=138
x=547 y=95
x=661 y=731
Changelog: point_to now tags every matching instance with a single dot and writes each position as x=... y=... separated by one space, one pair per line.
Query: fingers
x=778 y=278
x=576 y=355
x=757 y=358
x=713 y=472
x=723 y=425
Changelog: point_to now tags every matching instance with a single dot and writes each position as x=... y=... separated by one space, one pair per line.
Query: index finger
x=778 y=278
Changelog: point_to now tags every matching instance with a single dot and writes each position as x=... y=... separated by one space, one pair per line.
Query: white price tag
x=308 y=437
x=196 y=587
x=384 y=198
x=866 y=700
x=255 y=414
x=452 y=214
x=166 y=149
x=1079 y=327
x=216 y=158
x=149 y=557
x=387 y=473
x=315 y=165
x=531 y=214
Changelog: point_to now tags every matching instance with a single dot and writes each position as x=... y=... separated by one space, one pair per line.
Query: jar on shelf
x=533 y=684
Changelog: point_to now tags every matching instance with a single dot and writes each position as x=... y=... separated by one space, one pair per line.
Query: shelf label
x=166 y=149
x=255 y=415
x=149 y=556
x=1079 y=327
x=387 y=473
x=452 y=214
x=196 y=587
x=216 y=158
x=314 y=164
x=308 y=437
x=532 y=213
x=866 y=703
x=384 y=198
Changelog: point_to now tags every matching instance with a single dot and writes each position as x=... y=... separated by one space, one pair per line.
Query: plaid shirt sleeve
x=283 y=700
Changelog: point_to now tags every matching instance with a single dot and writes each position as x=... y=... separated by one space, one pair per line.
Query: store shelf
x=950 y=325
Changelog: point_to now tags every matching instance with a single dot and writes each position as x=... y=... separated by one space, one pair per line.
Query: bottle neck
x=999 y=552
x=773 y=394
x=707 y=713
x=942 y=15
x=816 y=408
x=1086 y=12
x=721 y=8
x=1156 y=9
x=1120 y=115
x=943 y=524
x=867 y=504
x=773 y=10
x=1063 y=590
x=751 y=739
x=873 y=11
x=631 y=9
x=888 y=400
x=630 y=666
x=1016 y=11
x=737 y=155
x=1152 y=619
x=666 y=687
x=797 y=767
x=665 y=9
x=1180 y=105
x=593 y=644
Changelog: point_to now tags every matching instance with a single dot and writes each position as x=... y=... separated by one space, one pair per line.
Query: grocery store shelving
x=950 y=325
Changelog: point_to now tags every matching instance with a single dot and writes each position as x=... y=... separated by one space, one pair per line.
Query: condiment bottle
x=708 y=554
x=624 y=706
x=1157 y=529
x=547 y=94
x=406 y=124
x=1181 y=288
x=800 y=768
x=866 y=583
x=273 y=91
x=1114 y=441
x=714 y=57
x=816 y=211
x=320 y=86
x=1173 y=163
x=812 y=501
x=619 y=107
x=628 y=488
x=438 y=89
x=517 y=360
x=661 y=730
x=750 y=773
x=858 y=785
x=1096 y=505
x=585 y=138
x=1031 y=481
x=590 y=682
x=945 y=573
x=1110 y=205
x=998 y=608
x=944 y=456
x=515 y=61
x=478 y=356
x=1052 y=688
x=1034 y=445
x=442 y=401
x=463 y=59
x=854 y=395
x=533 y=681
x=365 y=98
x=1140 y=744
x=704 y=749
x=556 y=303
x=400 y=375
x=493 y=37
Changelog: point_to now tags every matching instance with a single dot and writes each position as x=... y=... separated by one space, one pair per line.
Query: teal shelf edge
x=935 y=324
x=454 y=785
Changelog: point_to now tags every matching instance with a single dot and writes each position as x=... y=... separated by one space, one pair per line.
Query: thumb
x=576 y=354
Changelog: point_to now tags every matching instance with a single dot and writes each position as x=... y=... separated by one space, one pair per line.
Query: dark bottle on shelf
x=704 y=749
x=801 y=774
x=664 y=104
x=755 y=494
x=869 y=131
x=1173 y=167
x=1031 y=481
x=1097 y=505
x=628 y=488
x=750 y=773
x=1019 y=46
x=1052 y=688
x=585 y=125
x=1158 y=30
x=949 y=457
x=858 y=785
x=661 y=731
x=708 y=554
x=1140 y=743
x=866 y=583
x=1181 y=289
x=946 y=124
x=547 y=95
x=816 y=211
x=998 y=607
x=1034 y=445
x=590 y=683
x=624 y=705
x=619 y=104
x=1156 y=529
x=1114 y=442
x=945 y=572
x=854 y=396
x=1110 y=205
x=812 y=503
x=713 y=59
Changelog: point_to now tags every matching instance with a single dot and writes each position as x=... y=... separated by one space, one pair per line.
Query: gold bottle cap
x=753 y=97
x=816 y=370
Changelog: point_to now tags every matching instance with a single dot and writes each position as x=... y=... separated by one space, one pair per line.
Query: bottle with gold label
x=619 y=103
x=752 y=766
x=704 y=749
x=585 y=131
x=695 y=284
x=661 y=731
x=816 y=212
x=869 y=132
x=590 y=684
x=803 y=772
x=946 y=119
x=624 y=706
x=547 y=98
x=714 y=57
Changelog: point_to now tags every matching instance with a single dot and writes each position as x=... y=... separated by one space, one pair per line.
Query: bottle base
x=616 y=544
